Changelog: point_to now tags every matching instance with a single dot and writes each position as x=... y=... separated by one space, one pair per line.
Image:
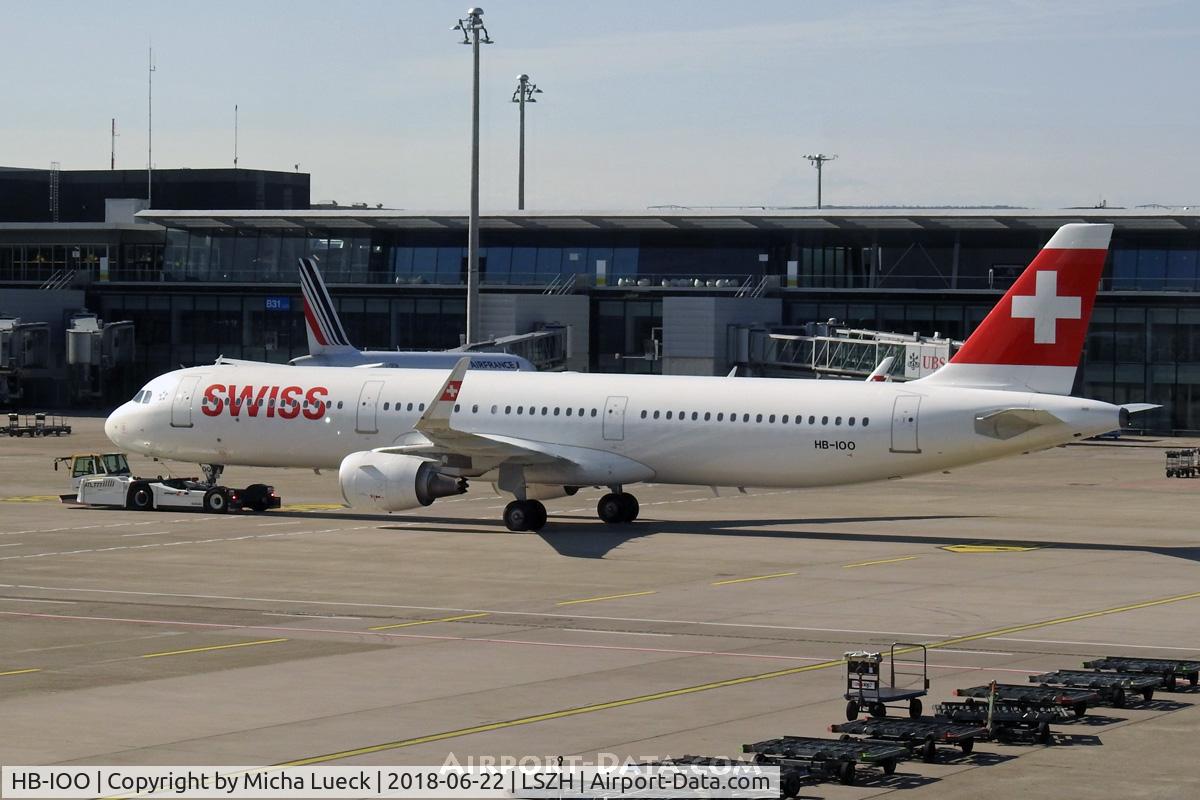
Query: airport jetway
x=24 y=348
x=547 y=348
x=98 y=355
x=829 y=350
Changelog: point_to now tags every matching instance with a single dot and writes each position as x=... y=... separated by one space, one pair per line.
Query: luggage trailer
x=1113 y=688
x=921 y=735
x=1171 y=670
x=1036 y=697
x=828 y=759
x=1009 y=722
x=864 y=681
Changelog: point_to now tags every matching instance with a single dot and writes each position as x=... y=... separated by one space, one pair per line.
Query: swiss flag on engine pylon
x=1043 y=319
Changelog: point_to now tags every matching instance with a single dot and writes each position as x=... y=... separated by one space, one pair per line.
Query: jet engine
x=394 y=482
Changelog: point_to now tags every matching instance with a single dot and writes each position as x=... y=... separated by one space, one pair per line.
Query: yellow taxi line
x=605 y=597
x=20 y=671
x=881 y=561
x=212 y=647
x=755 y=578
x=425 y=622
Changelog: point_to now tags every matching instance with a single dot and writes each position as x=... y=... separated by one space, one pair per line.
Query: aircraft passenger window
x=812 y=420
x=771 y=418
x=824 y=420
x=556 y=411
x=866 y=421
x=837 y=421
x=656 y=415
x=520 y=409
x=593 y=412
x=508 y=409
x=643 y=413
x=682 y=414
x=456 y=407
x=387 y=406
x=850 y=421
x=745 y=417
x=569 y=410
x=668 y=415
x=410 y=406
x=784 y=420
x=758 y=417
x=707 y=416
x=421 y=407
x=799 y=418
x=545 y=410
x=339 y=403
x=720 y=416
x=494 y=409
x=695 y=416
x=475 y=409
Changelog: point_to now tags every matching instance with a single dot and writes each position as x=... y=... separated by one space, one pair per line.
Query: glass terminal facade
x=399 y=280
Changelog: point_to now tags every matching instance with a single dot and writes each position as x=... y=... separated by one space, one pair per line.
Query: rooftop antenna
x=235 y=133
x=150 y=130
x=54 y=169
x=818 y=161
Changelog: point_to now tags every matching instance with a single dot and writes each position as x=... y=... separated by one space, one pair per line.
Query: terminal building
x=664 y=290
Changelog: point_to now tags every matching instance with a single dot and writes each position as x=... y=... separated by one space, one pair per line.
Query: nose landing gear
x=212 y=473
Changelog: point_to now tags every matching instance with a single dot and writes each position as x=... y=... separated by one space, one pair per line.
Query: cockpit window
x=137 y=398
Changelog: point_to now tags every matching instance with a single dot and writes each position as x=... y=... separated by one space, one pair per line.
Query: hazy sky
x=646 y=103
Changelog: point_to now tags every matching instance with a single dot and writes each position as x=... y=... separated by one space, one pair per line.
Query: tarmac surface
x=316 y=635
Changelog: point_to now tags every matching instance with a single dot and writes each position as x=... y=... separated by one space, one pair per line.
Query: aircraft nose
x=114 y=426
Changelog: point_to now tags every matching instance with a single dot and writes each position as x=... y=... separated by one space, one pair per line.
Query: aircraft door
x=368 y=408
x=181 y=405
x=614 y=418
x=905 y=414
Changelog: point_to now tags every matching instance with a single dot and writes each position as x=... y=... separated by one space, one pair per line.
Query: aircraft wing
x=476 y=453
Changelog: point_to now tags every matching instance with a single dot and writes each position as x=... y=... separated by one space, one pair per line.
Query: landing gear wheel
x=524 y=515
x=215 y=501
x=140 y=498
x=852 y=710
x=631 y=506
x=914 y=708
x=878 y=710
x=611 y=509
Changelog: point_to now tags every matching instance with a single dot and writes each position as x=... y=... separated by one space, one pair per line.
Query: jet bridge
x=547 y=348
x=24 y=352
x=829 y=350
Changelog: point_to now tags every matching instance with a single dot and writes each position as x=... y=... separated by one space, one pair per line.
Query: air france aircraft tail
x=1033 y=338
x=325 y=332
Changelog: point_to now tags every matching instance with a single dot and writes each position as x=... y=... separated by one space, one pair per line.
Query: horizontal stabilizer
x=1009 y=423
x=1136 y=408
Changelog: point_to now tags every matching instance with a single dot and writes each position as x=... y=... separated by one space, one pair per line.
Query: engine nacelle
x=393 y=482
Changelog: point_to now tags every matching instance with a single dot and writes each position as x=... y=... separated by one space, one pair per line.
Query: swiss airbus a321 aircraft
x=403 y=438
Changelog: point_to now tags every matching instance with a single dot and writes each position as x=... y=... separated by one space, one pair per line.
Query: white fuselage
x=720 y=431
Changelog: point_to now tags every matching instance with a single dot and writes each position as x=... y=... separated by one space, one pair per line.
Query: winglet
x=437 y=416
x=880 y=373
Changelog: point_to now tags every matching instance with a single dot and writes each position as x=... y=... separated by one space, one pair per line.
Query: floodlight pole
x=818 y=161
x=524 y=94
x=474 y=34
x=150 y=130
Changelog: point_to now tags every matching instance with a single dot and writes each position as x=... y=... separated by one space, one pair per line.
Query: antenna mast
x=112 y=162
x=235 y=133
x=818 y=161
x=150 y=131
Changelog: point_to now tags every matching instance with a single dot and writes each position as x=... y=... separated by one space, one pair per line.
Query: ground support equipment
x=921 y=736
x=1009 y=722
x=1114 y=688
x=1077 y=700
x=864 y=681
x=1171 y=670
x=828 y=759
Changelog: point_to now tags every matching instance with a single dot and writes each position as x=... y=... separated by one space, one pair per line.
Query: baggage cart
x=1183 y=463
x=1009 y=722
x=864 y=681
x=921 y=735
x=1113 y=688
x=1171 y=670
x=829 y=759
x=1077 y=700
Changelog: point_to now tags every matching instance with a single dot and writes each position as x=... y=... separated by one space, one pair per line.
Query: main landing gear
x=525 y=515
x=617 y=507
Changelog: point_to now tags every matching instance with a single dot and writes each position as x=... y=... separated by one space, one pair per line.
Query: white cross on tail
x=1045 y=307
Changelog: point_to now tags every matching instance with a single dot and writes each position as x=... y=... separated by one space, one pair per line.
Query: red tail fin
x=1033 y=338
